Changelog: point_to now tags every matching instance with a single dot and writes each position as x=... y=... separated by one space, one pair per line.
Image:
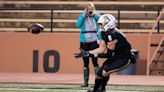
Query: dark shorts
x=114 y=66
x=89 y=46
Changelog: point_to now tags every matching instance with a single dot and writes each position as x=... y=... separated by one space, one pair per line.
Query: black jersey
x=122 y=47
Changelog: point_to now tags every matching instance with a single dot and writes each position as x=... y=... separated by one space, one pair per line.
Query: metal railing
x=119 y=12
x=156 y=24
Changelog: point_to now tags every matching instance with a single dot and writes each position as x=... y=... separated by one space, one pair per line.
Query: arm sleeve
x=80 y=20
x=105 y=38
x=97 y=16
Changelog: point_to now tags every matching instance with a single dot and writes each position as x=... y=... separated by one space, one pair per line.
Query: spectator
x=89 y=37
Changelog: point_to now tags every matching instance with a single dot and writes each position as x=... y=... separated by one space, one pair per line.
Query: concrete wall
x=19 y=52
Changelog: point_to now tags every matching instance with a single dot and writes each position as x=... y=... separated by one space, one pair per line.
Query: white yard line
x=57 y=90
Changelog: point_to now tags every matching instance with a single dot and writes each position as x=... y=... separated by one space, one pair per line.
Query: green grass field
x=27 y=87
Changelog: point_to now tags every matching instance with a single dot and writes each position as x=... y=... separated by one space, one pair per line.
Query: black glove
x=82 y=53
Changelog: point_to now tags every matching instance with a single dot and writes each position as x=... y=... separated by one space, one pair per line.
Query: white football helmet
x=108 y=21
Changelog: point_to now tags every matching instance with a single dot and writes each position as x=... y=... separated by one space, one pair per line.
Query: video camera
x=90 y=12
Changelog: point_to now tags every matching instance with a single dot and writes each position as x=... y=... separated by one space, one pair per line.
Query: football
x=35 y=28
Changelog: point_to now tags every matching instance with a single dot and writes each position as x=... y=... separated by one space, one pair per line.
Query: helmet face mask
x=101 y=27
x=107 y=21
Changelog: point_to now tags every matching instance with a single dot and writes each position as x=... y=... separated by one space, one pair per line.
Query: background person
x=89 y=37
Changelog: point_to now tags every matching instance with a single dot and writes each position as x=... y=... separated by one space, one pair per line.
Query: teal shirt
x=88 y=24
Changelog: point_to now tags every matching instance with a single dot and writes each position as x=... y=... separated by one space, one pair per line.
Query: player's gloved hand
x=82 y=53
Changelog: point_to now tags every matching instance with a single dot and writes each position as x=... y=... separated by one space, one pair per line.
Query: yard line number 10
x=46 y=55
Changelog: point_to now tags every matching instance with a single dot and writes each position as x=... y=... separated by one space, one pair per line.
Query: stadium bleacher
x=133 y=16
